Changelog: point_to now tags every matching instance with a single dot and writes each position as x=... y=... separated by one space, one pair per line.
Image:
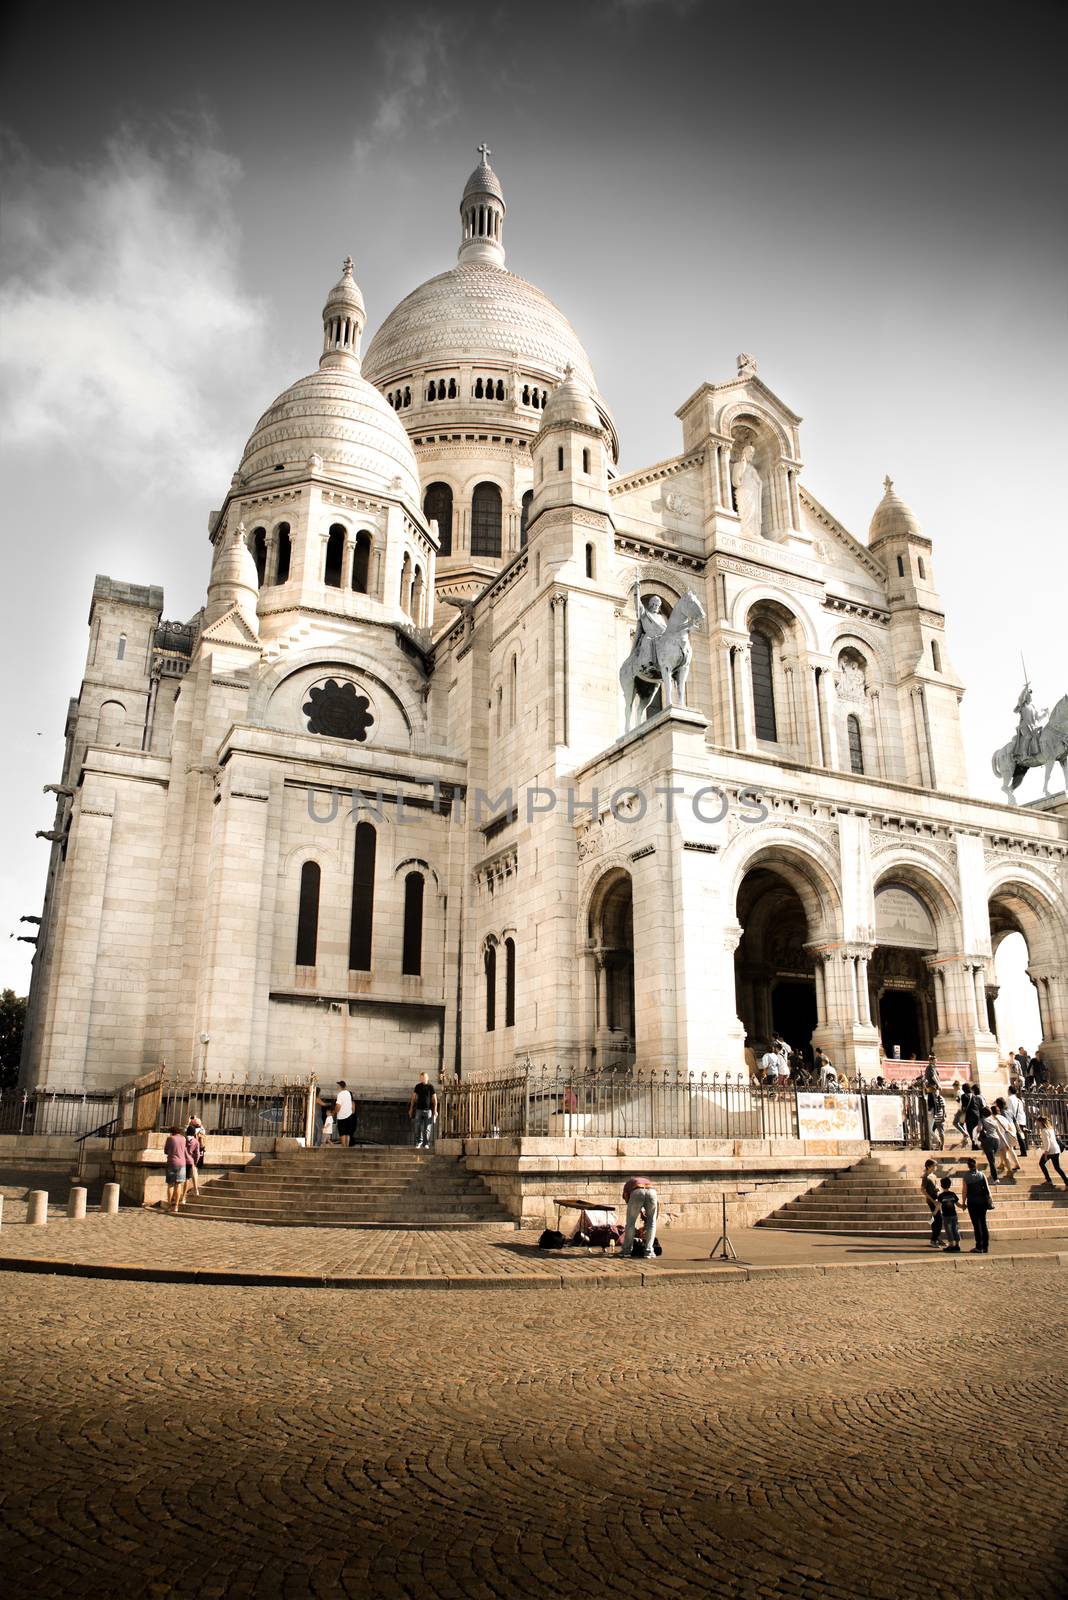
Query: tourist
x=423 y=1108
x=990 y=1140
x=344 y=1114
x=978 y=1202
x=929 y=1186
x=176 y=1159
x=640 y=1195
x=973 y=1112
x=329 y=1135
x=930 y=1072
x=1009 y=1159
x=1018 y=1116
x=193 y=1158
x=195 y=1129
x=1050 y=1147
x=1038 y=1070
x=828 y=1078
x=1024 y=1060
x=936 y=1117
x=948 y=1202
x=963 y=1093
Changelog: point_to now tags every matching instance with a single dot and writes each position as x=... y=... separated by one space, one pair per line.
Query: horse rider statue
x=661 y=655
x=1040 y=741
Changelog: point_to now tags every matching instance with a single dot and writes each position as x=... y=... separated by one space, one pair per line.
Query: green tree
x=12 y=1022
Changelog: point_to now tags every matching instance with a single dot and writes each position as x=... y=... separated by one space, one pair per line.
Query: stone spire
x=482 y=212
x=344 y=319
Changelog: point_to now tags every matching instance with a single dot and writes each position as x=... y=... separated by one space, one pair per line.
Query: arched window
x=500 y=389
x=856 y=748
x=284 y=553
x=412 y=952
x=560 y=458
x=361 y=562
x=452 y=388
x=417 y=596
x=513 y=691
x=509 y=983
x=490 y=960
x=120 y=648
x=486 y=520
x=763 y=686
x=406 y=583
x=308 y=914
x=586 y=462
x=111 y=723
x=335 y=557
x=257 y=543
x=432 y=392
x=437 y=507
x=526 y=394
x=363 y=898
x=936 y=655
x=524 y=516
x=922 y=569
x=590 y=561
x=478 y=388
x=500 y=710
x=900 y=567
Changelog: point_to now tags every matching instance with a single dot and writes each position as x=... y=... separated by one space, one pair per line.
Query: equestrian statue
x=661 y=655
x=1037 y=743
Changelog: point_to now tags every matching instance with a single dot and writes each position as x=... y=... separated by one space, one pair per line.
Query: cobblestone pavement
x=896 y=1435
x=151 y=1240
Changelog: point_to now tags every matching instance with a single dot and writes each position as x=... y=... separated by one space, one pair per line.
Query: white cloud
x=418 y=87
x=127 y=325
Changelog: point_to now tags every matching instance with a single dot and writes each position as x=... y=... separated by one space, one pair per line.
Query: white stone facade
x=497 y=871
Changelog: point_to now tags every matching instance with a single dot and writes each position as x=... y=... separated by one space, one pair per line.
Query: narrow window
x=361 y=561
x=900 y=567
x=760 y=656
x=285 y=553
x=500 y=711
x=417 y=596
x=500 y=390
x=407 y=397
x=308 y=914
x=936 y=656
x=412 y=953
x=856 y=748
x=335 y=557
x=586 y=462
x=437 y=507
x=478 y=388
x=513 y=692
x=406 y=583
x=922 y=569
x=452 y=388
x=589 y=561
x=120 y=648
x=491 y=988
x=363 y=898
x=526 y=394
x=486 y=520
x=509 y=983
x=524 y=517
x=258 y=545
x=560 y=459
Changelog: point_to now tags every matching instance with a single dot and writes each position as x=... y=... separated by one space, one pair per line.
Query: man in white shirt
x=344 y=1113
x=1018 y=1114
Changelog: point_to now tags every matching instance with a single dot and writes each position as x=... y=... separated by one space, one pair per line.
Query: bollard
x=76 y=1202
x=37 y=1207
x=109 y=1203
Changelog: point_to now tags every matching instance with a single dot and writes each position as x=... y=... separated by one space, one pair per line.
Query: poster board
x=830 y=1116
x=886 y=1118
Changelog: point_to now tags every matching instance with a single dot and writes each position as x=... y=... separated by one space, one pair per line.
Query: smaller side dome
x=892 y=517
x=570 y=402
x=484 y=180
x=234 y=580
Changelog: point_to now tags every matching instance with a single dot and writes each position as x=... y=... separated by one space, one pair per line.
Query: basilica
x=484 y=749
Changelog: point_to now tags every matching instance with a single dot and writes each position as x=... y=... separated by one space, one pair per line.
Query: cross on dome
x=888 y=484
x=485 y=152
x=348 y=266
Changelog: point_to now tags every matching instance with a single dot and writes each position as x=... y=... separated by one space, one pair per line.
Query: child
x=328 y=1128
x=948 y=1203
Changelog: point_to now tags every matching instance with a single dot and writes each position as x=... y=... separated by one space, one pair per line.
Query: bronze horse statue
x=672 y=653
x=1052 y=744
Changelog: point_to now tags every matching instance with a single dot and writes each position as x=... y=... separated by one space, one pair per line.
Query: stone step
x=398 y=1224
x=904 y=1230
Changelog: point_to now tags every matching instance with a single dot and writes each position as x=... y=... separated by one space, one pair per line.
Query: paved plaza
x=870 y=1433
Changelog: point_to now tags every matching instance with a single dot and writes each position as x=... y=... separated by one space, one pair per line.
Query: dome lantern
x=482 y=210
x=344 y=319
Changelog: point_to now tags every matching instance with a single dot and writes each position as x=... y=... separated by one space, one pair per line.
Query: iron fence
x=259 y=1110
x=55 y=1112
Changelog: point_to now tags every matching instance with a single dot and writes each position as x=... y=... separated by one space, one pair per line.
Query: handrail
x=94 y=1133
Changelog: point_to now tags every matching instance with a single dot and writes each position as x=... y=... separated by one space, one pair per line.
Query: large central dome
x=476 y=312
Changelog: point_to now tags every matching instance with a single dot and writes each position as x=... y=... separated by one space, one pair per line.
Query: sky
x=870 y=200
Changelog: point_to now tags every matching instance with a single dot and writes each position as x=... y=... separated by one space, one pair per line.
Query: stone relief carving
x=851 y=682
x=678 y=505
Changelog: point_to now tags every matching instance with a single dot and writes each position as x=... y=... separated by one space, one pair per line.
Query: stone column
x=744 y=697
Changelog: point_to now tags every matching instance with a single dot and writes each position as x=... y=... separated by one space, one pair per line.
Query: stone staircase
x=880 y=1196
x=376 y=1187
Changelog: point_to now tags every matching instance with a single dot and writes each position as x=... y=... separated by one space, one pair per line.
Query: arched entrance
x=1034 y=993
x=775 y=980
x=611 y=943
x=901 y=985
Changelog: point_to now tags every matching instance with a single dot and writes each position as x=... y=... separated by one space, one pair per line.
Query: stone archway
x=775 y=979
x=611 y=948
x=1016 y=907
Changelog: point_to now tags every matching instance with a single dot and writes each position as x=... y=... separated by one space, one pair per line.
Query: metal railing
x=55 y=1112
x=260 y=1110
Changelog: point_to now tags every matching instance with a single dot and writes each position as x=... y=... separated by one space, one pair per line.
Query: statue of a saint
x=651 y=626
x=748 y=492
x=1028 y=728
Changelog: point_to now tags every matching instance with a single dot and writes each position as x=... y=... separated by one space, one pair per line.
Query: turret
x=344 y=320
x=482 y=212
x=234 y=581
